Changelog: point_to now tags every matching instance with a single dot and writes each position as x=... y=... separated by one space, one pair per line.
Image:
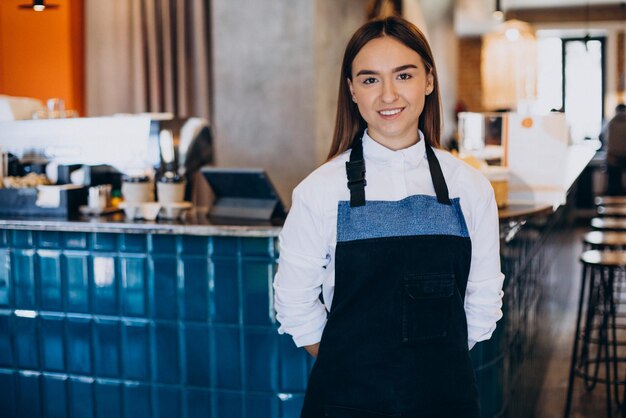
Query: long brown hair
x=349 y=122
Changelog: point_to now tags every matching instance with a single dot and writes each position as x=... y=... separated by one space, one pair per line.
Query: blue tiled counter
x=114 y=319
x=148 y=324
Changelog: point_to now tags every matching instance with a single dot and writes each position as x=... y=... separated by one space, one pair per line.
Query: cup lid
x=170 y=177
x=135 y=179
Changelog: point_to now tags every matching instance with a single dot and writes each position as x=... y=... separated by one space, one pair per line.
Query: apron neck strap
x=355 y=169
x=439 y=182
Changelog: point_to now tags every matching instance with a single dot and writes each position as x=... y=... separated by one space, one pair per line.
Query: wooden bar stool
x=610 y=200
x=595 y=357
x=617 y=211
x=609 y=224
x=600 y=240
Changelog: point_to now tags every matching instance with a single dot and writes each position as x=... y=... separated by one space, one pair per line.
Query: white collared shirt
x=309 y=236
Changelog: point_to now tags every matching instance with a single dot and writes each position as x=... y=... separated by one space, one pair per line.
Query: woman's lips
x=390 y=113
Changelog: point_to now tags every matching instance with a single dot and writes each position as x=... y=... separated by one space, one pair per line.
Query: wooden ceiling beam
x=594 y=13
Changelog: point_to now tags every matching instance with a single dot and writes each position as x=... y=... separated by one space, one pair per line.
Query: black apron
x=395 y=344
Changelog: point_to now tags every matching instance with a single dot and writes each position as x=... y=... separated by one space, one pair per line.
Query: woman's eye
x=404 y=76
x=369 y=80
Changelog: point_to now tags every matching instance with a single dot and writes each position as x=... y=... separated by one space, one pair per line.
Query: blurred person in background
x=614 y=138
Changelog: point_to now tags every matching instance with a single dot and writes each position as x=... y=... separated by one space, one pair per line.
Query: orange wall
x=42 y=53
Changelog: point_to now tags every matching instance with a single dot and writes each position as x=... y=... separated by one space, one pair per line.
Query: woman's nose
x=389 y=93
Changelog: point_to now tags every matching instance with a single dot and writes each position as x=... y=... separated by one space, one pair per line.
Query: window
x=571 y=77
x=583 y=86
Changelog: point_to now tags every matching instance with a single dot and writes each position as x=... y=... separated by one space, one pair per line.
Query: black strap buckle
x=357 y=184
x=356 y=174
x=355 y=170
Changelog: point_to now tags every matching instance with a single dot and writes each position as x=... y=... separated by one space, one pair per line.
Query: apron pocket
x=426 y=304
x=331 y=411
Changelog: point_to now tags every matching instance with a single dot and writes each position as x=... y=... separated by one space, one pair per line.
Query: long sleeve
x=483 y=297
x=298 y=282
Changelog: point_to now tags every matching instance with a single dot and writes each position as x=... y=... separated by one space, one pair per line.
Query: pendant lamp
x=509 y=66
x=38 y=6
x=497 y=13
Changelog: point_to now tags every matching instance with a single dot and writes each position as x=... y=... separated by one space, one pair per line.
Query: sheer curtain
x=147 y=56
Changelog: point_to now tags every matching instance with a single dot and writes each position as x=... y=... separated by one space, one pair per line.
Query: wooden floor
x=563 y=296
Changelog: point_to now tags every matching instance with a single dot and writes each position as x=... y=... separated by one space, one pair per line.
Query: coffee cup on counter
x=170 y=188
x=137 y=189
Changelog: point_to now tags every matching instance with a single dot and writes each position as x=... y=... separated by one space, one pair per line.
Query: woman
x=406 y=254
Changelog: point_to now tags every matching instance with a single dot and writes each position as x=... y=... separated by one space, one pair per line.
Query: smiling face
x=389 y=85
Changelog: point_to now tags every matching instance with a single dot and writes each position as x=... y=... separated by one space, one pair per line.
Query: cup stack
x=138 y=193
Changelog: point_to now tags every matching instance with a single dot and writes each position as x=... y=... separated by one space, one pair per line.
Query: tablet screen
x=242 y=192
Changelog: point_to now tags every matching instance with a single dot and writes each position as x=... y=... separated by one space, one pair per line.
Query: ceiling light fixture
x=498 y=14
x=38 y=6
x=587 y=36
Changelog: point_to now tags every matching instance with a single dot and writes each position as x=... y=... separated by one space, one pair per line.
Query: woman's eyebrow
x=403 y=67
x=395 y=70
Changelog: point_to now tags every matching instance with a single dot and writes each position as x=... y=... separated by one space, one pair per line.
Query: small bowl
x=173 y=210
x=149 y=210
x=131 y=210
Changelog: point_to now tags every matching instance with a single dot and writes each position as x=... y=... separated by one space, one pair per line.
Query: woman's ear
x=430 y=83
x=351 y=89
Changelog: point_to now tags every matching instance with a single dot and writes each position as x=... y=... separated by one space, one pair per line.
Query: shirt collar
x=372 y=150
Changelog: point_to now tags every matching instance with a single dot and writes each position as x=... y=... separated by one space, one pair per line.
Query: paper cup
x=137 y=192
x=171 y=192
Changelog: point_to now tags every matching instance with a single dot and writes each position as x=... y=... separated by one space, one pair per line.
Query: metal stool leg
x=604 y=331
x=594 y=304
x=570 y=385
x=623 y=414
x=612 y=318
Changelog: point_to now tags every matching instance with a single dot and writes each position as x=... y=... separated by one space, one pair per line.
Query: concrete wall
x=276 y=70
x=336 y=21
x=444 y=44
x=263 y=87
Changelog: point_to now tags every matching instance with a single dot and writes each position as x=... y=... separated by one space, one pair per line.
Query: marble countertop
x=197 y=223
x=192 y=223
